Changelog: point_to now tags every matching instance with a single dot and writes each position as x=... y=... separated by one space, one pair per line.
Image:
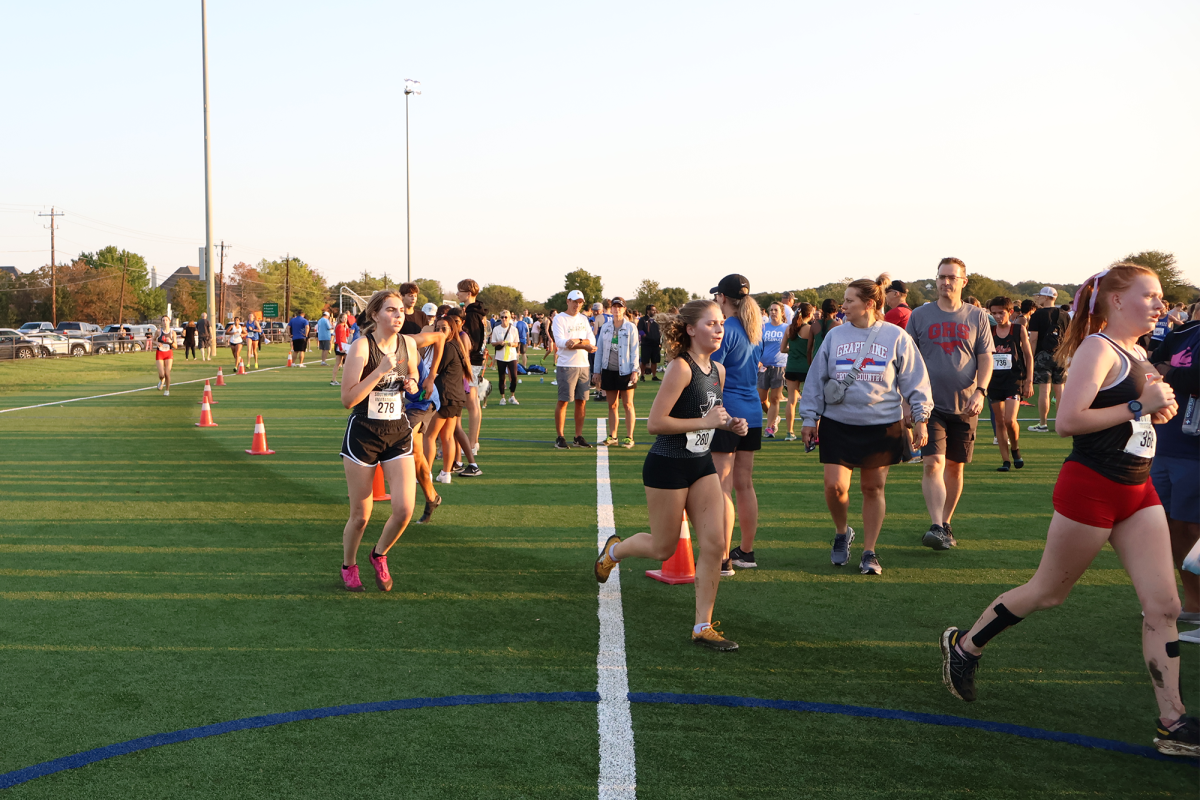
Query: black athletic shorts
x=651 y=352
x=366 y=443
x=952 y=436
x=795 y=376
x=729 y=442
x=611 y=380
x=664 y=472
x=299 y=345
x=868 y=446
x=450 y=410
x=421 y=421
x=998 y=391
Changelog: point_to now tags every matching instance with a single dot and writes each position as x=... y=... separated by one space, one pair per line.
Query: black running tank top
x=393 y=381
x=1122 y=453
x=700 y=396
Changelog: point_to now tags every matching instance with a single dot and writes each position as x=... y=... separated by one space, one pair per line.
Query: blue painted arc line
x=10 y=779
x=26 y=774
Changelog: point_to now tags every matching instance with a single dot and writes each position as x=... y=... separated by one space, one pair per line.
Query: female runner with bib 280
x=1110 y=401
x=679 y=473
x=380 y=366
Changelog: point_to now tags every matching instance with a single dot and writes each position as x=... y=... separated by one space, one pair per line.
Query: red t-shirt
x=898 y=315
x=341 y=333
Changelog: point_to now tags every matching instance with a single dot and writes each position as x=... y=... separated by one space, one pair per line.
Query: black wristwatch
x=1136 y=408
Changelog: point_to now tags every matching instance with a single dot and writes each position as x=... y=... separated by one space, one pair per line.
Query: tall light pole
x=208 y=239
x=410 y=87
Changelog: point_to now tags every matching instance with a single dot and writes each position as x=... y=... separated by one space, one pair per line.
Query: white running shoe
x=554 y=383
x=503 y=401
x=302 y=366
x=443 y=477
x=475 y=449
x=167 y=393
x=995 y=440
x=512 y=401
x=1039 y=428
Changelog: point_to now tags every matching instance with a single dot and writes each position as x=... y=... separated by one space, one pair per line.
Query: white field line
x=618 y=774
x=129 y=391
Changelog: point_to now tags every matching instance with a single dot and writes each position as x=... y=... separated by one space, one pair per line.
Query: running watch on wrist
x=1135 y=407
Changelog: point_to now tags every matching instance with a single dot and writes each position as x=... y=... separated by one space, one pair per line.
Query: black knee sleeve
x=1173 y=649
x=1004 y=619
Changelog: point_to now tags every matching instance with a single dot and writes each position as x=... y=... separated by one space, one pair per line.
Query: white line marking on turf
x=128 y=391
x=618 y=773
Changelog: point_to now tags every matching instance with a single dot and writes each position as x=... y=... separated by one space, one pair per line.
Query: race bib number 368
x=385 y=405
x=1143 y=440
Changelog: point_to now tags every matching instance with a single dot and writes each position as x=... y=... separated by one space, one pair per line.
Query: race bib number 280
x=700 y=441
x=385 y=405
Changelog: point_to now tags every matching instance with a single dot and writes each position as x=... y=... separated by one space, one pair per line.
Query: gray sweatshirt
x=894 y=369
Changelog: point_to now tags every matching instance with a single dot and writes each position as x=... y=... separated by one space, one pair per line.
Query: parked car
x=77 y=328
x=34 y=327
x=58 y=345
x=137 y=331
x=104 y=343
x=14 y=345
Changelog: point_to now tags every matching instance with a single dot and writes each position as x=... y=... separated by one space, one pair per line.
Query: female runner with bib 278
x=380 y=366
x=1110 y=402
x=679 y=473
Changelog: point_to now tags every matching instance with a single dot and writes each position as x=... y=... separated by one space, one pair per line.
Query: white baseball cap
x=429 y=309
x=575 y=294
x=1048 y=291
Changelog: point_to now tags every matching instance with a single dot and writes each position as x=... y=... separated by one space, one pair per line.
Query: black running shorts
x=729 y=442
x=367 y=444
x=664 y=472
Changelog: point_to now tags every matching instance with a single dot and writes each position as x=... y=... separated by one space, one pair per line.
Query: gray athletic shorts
x=572 y=380
x=771 y=379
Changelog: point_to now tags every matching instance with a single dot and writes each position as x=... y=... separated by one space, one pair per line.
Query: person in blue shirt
x=299 y=328
x=324 y=336
x=522 y=340
x=770 y=379
x=733 y=455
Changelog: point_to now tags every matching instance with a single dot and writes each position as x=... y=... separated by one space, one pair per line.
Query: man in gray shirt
x=956 y=342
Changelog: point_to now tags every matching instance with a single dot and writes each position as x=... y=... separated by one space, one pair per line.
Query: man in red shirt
x=898 y=310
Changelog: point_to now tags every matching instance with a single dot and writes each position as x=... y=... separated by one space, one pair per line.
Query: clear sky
x=795 y=142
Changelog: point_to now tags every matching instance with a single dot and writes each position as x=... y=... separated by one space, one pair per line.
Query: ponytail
x=868 y=290
x=1089 y=312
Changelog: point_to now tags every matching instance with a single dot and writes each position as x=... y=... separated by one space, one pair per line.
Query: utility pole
x=53 y=276
x=223 y=281
x=287 y=302
x=121 y=302
x=208 y=242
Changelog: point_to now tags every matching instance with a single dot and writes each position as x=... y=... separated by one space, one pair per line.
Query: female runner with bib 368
x=679 y=473
x=1110 y=402
x=380 y=366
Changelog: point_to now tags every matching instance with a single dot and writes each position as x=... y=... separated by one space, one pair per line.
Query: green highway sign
x=270 y=310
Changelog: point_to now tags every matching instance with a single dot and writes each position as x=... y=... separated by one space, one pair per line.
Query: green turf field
x=154 y=577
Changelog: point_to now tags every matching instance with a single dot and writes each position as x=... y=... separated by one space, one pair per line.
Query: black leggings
x=507 y=368
x=189 y=348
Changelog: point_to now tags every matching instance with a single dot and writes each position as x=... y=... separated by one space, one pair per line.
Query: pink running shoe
x=351 y=580
x=382 y=579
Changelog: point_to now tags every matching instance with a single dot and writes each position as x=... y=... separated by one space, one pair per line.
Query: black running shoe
x=869 y=563
x=1018 y=462
x=958 y=666
x=936 y=538
x=581 y=442
x=726 y=568
x=841 y=547
x=561 y=444
x=1181 y=740
x=950 y=540
x=430 y=507
x=1005 y=467
x=740 y=558
x=471 y=471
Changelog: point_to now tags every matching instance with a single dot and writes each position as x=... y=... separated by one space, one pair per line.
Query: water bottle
x=541 y=380
x=1191 y=415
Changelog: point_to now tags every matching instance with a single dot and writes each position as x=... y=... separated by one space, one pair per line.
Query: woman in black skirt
x=864 y=428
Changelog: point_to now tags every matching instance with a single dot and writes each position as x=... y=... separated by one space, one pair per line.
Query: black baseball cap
x=617 y=301
x=735 y=286
x=897 y=286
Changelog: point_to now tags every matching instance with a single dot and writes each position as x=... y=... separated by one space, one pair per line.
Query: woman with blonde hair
x=1110 y=403
x=679 y=473
x=380 y=366
x=740 y=351
x=861 y=377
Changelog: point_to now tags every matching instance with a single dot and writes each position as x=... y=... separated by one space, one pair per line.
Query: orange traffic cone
x=208 y=398
x=681 y=567
x=206 y=420
x=220 y=377
x=259 y=446
x=289 y=359
x=379 y=490
x=241 y=368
